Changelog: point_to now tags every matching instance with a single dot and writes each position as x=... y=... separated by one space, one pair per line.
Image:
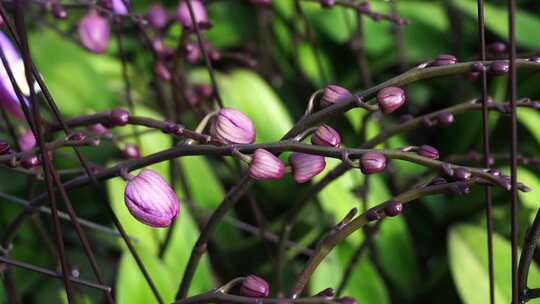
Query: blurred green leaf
x=530 y=179
x=316 y=71
x=468 y=262
x=229 y=20
x=530 y=118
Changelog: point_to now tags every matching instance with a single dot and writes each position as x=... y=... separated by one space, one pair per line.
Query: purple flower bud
x=119 y=117
x=98 y=129
x=478 y=67
x=131 y=151
x=372 y=215
x=157 y=16
x=437 y=181
x=535 y=59
x=497 y=47
x=499 y=67
x=390 y=99
x=462 y=174
x=119 y=6
x=445 y=118
x=108 y=4
x=326 y=136
x=94 y=32
x=393 y=208
x=30 y=161
x=162 y=72
x=204 y=90
x=4 y=147
x=77 y=136
x=348 y=300
x=254 y=287
x=161 y=48
x=261 y=2
x=428 y=151
x=26 y=141
x=495 y=172
x=58 y=11
x=372 y=162
x=265 y=165
x=233 y=127
x=460 y=189
x=151 y=200
x=444 y=59
x=192 y=53
x=199 y=11
x=332 y=94
x=523 y=188
x=306 y=166
x=328 y=3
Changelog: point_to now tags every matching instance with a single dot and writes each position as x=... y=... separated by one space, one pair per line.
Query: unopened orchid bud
x=200 y=15
x=192 y=53
x=497 y=47
x=27 y=141
x=445 y=118
x=428 y=151
x=372 y=215
x=5 y=148
x=119 y=117
x=499 y=67
x=444 y=59
x=59 y=11
x=30 y=161
x=98 y=129
x=233 y=127
x=306 y=166
x=326 y=136
x=204 y=90
x=76 y=136
x=333 y=94
x=265 y=165
x=478 y=67
x=94 y=32
x=151 y=200
x=372 y=162
x=162 y=72
x=462 y=174
x=393 y=208
x=254 y=287
x=535 y=59
x=390 y=99
x=157 y=16
x=161 y=48
x=131 y=151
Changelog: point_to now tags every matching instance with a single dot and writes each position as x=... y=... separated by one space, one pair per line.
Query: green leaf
x=78 y=80
x=530 y=118
x=314 y=71
x=527 y=24
x=468 y=263
x=230 y=19
x=529 y=178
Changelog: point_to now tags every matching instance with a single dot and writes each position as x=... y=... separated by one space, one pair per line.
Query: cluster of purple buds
x=265 y=166
x=389 y=208
x=151 y=200
x=390 y=99
x=94 y=32
x=233 y=127
x=183 y=15
x=306 y=166
x=254 y=287
x=131 y=151
x=444 y=59
x=326 y=136
x=372 y=162
x=333 y=94
x=157 y=16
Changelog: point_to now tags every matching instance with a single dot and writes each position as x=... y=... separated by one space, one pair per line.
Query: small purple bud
x=151 y=200
x=254 y=287
x=390 y=99
x=332 y=94
x=372 y=215
x=58 y=11
x=328 y=3
x=428 y=151
x=472 y=76
x=445 y=118
x=94 y=32
x=523 y=188
x=119 y=6
x=326 y=136
x=261 y=2
x=495 y=172
x=4 y=147
x=77 y=136
x=306 y=166
x=199 y=11
x=233 y=127
x=204 y=90
x=393 y=208
x=462 y=174
x=214 y=54
x=444 y=59
x=131 y=151
x=98 y=129
x=499 y=67
x=30 y=161
x=119 y=117
x=161 y=71
x=497 y=47
x=535 y=59
x=192 y=53
x=347 y=300
x=265 y=165
x=27 y=141
x=437 y=181
x=478 y=67
x=372 y=162
x=157 y=16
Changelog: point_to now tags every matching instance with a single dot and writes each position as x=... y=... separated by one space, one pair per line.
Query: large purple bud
x=390 y=99
x=233 y=127
x=254 y=287
x=372 y=162
x=183 y=15
x=306 y=166
x=94 y=32
x=326 y=136
x=151 y=200
x=265 y=165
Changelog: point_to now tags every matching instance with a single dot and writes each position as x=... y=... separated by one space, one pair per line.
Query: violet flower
x=233 y=127
x=265 y=165
x=94 y=32
x=151 y=200
x=306 y=166
x=200 y=15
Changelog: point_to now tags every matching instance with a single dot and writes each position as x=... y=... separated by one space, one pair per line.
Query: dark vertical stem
x=9 y=287
x=211 y=72
x=514 y=144
x=485 y=140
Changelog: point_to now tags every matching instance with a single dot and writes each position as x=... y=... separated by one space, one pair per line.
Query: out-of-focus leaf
x=530 y=118
x=229 y=20
x=315 y=69
x=468 y=262
x=206 y=190
x=529 y=199
x=527 y=25
x=78 y=80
